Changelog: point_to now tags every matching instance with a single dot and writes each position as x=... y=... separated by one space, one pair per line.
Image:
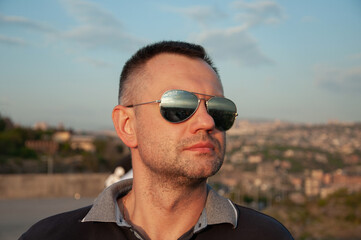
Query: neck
x=164 y=208
x=170 y=194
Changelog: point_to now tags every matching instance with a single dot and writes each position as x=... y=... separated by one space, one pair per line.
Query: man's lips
x=201 y=147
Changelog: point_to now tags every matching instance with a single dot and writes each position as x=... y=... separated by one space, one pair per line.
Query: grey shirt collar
x=105 y=208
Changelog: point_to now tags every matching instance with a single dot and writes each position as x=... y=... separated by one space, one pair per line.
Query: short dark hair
x=137 y=61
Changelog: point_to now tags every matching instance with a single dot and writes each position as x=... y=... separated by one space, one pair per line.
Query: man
x=173 y=117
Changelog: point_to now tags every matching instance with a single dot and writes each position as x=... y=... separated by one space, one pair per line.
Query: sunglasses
x=177 y=106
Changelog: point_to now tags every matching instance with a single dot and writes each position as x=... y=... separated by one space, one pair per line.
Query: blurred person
x=173 y=115
x=122 y=171
x=115 y=176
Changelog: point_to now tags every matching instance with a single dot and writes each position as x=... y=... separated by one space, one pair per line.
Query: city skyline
x=293 y=61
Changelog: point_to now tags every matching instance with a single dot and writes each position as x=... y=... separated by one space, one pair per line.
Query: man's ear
x=123 y=118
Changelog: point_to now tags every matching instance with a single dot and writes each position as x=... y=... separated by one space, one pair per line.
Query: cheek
x=152 y=132
x=149 y=116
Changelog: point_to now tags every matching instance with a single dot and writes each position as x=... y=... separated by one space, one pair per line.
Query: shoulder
x=60 y=223
x=251 y=225
x=260 y=225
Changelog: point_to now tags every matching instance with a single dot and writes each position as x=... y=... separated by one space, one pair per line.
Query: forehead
x=174 y=71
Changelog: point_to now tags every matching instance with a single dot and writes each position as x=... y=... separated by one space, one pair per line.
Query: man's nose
x=201 y=120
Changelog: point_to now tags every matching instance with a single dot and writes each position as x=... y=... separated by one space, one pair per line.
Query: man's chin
x=203 y=174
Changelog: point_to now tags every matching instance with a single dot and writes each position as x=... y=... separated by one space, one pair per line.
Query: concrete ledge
x=15 y=186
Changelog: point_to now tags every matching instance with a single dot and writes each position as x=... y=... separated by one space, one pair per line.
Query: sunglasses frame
x=195 y=110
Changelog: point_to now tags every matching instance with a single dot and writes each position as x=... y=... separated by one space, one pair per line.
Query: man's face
x=193 y=149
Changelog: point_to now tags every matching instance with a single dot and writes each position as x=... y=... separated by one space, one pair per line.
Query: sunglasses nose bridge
x=200 y=100
x=202 y=117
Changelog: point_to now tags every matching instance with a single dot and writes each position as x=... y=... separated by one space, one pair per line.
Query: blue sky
x=297 y=61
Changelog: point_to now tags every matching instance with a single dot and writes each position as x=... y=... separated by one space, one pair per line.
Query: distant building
x=285 y=165
x=248 y=149
x=61 y=137
x=317 y=174
x=320 y=157
x=353 y=183
x=312 y=187
x=352 y=159
x=43 y=146
x=41 y=126
x=296 y=183
x=82 y=142
x=237 y=157
x=289 y=153
x=255 y=158
x=266 y=169
x=314 y=182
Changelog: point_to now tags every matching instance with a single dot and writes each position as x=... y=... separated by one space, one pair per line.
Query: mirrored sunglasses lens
x=223 y=112
x=177 y=106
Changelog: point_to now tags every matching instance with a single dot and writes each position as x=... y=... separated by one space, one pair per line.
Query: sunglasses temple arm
x=134 y=105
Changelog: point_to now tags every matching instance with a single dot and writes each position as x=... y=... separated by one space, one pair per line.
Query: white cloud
x=91 y=13
x=12 y=41
x=234 y=44
x=98 y=28
x=203 y=15
x=22 y=22
x=339 y=80
x=255 y=13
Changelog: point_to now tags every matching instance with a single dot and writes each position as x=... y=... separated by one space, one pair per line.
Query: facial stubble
x=171 y=163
